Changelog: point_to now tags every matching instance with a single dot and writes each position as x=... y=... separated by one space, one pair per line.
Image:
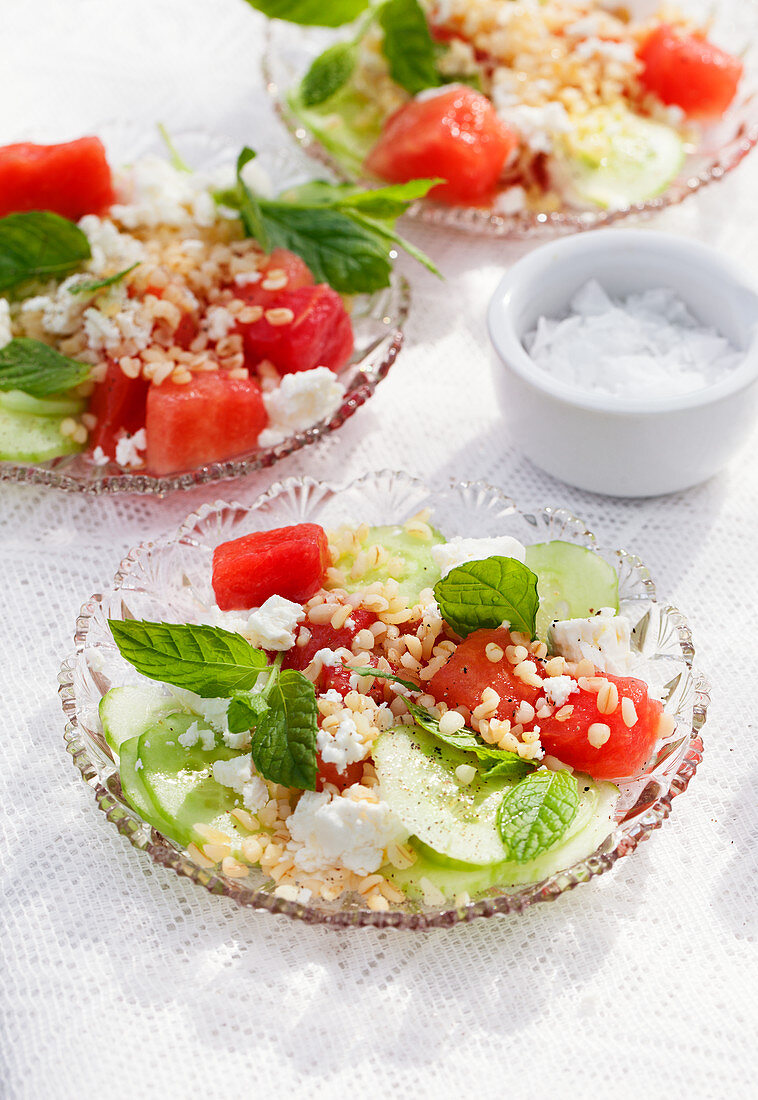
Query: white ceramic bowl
x=625 y=446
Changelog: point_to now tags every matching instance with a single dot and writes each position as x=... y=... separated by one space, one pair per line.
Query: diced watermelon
x=469 y=671
x=324 y=636
x=288 y=561
x=319 y=335
x=627 y=748
x=210 y=419
x=281 y=259
x=455 y=135
x=689 y=71
x=120 y=405
x=71 y=179
x=328 y=772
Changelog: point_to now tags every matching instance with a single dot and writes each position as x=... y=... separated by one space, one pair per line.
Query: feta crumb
x=6 y=333
x=458 y=551
x=111 y=251
x=218 y=322
x=128 y=448
x=238 y=774
x=138 y=765
x=537 y=126
x=603 y=639
x=341 y=831
x=344 y=746
x=273 y=624
x=155 y=193
x=331 y=696
x=328 y=658
x=194 y=733
x=99 y=457
x=61 y=311
x=558 y=688
x=301 y=400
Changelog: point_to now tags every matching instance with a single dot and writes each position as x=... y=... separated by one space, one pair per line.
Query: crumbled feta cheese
x=342 y=747
x=341 y=831
x=623 y=52
x=99 y=457
x=111 y=251
x=218 y=322
x=510 y=201
x=237 y=773
x=302 y=399
x=458 y=551
x=273 y=624
x=6 y=333
x=128 y=449
x=61 y=311
x=107 y=333
x=214 y=712
x=194 y=733
x=331 y=696
x=537 y=126
x=138 y=765
x=155 y=193
x=603 y=639
x=558 y=688
x=327 y=657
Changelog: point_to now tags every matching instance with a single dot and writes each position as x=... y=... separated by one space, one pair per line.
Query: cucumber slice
x=60 y=405
x=130 y=769
x=454 y=827
x=180 y=784
x=126 y=712
x=572 y=582
x=613 y=157
x=25 y=437
x=417 y=779
x=347 y=124
x=417 y=567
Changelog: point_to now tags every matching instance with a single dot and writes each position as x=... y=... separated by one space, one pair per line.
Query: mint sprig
x=39 y=245
x=329 y=72
x=313 y=13
x=492 y=762
x=382 y=675
x=37 y=369
x=344 y=235
x=536 y=813
x=100 y=284
x=483 y=594
x=284 y=740
x=408 y=46
x=212 y=662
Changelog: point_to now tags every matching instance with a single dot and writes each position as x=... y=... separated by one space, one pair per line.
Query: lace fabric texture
x=119 y=978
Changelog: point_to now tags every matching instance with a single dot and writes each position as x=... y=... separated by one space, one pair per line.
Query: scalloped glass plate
x=378 y=322
x=290 y=50
x=170 y=579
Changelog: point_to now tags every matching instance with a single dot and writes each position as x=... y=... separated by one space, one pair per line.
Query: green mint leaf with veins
x=495 y=762
x=249 y=206
x=536 y=813
x=314 y=13
x=37 y=369
x=369 y=671
x=330 y=71
x=284 y=740
x=212 y=662
x=483 y=594
x=384 y=229
x=409 y=46
x=100 y=284
x=244 y=711
x=39 y=245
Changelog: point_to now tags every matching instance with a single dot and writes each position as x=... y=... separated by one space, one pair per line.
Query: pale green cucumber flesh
x=58 y=405
x=572 y=582
x=418 y=568
x=348 y=125
x=180 y=781
x=25 y=437
x=130 y=770
x=126 y=712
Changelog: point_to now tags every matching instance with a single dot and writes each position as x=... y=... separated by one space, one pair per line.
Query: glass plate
x=378 y=322
x=290 y=50
x=170 y=579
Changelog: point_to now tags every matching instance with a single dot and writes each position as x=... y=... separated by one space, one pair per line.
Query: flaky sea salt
x=644 y=345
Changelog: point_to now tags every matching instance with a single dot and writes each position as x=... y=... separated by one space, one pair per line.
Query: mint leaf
x=248 y=205
x=39 y=245
x=330 y=71
x=385 y=230
x=384 y=203
x=409 y=46
x=176 y=160
x=244 y=711
x=482 y=594
x=100 y=284
x=284 y=741
x=536 y=813
x=38 y=369
x=315 y=13
x=212 y=662
x=369 y=671
x=499 y=762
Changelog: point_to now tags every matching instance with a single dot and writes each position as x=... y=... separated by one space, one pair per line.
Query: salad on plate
x=519 y=106
x=375 y=715
x=155 y=320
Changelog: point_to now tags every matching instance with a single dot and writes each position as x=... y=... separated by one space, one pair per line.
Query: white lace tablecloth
x=119 y=979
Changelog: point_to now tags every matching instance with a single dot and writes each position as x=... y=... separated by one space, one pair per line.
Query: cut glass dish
x=732 y=24
x=377 y=319
x=170 y=580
